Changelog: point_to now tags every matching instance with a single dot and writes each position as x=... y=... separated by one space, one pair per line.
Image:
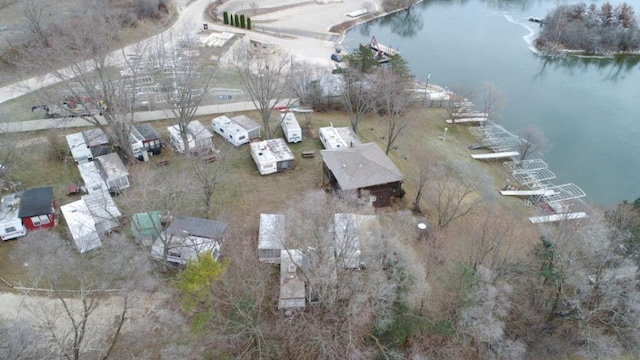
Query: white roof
x=9 y=207
x=271 y=234
x=112 y=166
x=198 y=131
x=229 y=125
x=289 y=120
x=351 y=230
x=79 y=149
x=81 y=226
x=103 y=209
x=272 y=150
x=91 y=177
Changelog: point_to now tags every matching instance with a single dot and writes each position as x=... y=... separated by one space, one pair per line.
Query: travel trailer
x=338 y=138
x=238 y=130
x=290 y=127
x=272 y=156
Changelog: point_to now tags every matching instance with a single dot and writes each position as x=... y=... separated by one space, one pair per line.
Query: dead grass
x=243 y=193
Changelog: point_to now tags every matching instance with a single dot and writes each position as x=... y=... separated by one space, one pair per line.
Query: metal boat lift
x=502 y=144
x=525 y=165
x=564 y=192
x=534 y=179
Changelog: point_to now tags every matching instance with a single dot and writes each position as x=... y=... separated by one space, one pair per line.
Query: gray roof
x=186 y=225
x=95 y=137
x=361 y=166
x=246 y=122
x=271 y=233
x=112 y=166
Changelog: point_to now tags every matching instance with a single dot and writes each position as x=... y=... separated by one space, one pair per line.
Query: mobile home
x=272 y=156
x=238 y=130
x=104 y=211
x=79 y=149
x=82 y=226
x=97 y=141
x=145 y=139
x=290 y=127
x=113 y=171
x=338 y=138
x=187 y=237
x=271 y=237
x=200 y=139
x=91 y=177
x=11 y=226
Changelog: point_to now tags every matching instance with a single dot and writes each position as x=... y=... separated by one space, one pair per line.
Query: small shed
x=97 y=141
x=113 y=171
x=187 y=237
x=338 y=138
x=103 y=209
x=146 y=227
x=145 y=138
x=238 y=130
x=11 y=226
x=272 y=156
x=79 y=149
x=292 y=285
x=81 y=226
x=91 y=177
x=271 y=237
x=38 y=208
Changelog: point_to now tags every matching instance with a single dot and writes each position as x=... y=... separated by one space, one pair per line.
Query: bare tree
x=458 y=102
x=533 y=142
x=84 y=289
x=392 y=103
x=493 y=101
x=454 y=193
x=33 y=12
x=21 y=340
x=421 y=183
x=91 y=89
x=356 y=93
x=303 y=74
x=264 y=76
x=208 y=176
x=184 y=81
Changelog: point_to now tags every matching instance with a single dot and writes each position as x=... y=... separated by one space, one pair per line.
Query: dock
x=499 y=155
x=540 y=192
x=466 y=120
x=557 y=217
x=379 y=48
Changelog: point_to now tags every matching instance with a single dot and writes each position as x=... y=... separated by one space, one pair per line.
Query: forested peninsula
x=590 y=29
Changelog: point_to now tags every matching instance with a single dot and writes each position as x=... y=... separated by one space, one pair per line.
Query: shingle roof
x=36 y=201
x=361 y=166
x=205 y=228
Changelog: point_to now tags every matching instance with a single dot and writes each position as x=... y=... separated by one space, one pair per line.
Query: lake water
x=589 y=109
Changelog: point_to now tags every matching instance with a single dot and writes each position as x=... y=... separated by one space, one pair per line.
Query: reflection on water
x=586 y=106
x=612 y=69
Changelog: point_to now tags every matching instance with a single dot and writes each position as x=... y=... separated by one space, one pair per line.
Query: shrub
x=242 y=23
x=248 y=23
x=231 y=20
x=225 y=18
x=236 y=20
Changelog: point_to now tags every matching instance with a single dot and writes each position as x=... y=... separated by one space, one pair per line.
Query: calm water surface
x=589 y=109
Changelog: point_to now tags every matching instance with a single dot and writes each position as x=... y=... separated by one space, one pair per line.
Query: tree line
x=591 y=29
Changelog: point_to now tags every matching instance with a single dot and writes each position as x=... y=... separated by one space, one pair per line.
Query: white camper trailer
x=238 y=130
x=272 y=156
x=11 y=226
x=93 y=180
x=290 y=127
x=338 y=138
x=200 y=139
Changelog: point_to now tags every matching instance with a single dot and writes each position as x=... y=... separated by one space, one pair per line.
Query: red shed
x=38 y=208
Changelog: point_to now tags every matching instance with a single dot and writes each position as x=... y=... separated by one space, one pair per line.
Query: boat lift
x=534 y=179
x=525 y=165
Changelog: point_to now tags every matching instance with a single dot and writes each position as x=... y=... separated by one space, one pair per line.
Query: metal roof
x=525 y=165
x=564 y=192
x=271 y=234
x=534 y=178
x=186 y=225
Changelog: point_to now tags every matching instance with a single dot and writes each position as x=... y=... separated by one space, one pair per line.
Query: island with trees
x=590 y=29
